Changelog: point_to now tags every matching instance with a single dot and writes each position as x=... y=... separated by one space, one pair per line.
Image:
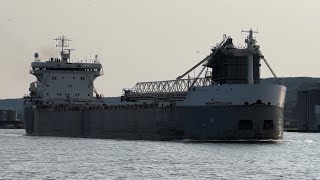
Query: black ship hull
x=207 y=123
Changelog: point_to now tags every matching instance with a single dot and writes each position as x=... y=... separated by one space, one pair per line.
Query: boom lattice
x=163 y=90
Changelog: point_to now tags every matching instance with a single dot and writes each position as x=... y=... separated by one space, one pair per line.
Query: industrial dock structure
x=8 y=119
x=308 y=108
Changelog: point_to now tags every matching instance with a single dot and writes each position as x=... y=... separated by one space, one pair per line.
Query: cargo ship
x=225 y=101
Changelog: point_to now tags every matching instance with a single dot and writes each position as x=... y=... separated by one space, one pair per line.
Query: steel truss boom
x=171 y=90
x=179 y=85
x=208 y=58
x=195 y=66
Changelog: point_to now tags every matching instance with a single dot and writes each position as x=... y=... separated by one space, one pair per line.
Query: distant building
x=8 y=115
x=308 y=108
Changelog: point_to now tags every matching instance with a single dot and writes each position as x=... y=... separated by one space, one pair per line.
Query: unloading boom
x=171 y=90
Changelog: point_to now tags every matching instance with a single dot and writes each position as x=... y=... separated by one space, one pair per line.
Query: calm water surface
x=26 y=157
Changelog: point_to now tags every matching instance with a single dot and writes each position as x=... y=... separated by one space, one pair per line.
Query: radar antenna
x=250 y=40
x=63 y=42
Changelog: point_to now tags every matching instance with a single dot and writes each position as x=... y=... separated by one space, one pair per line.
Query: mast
x=63 y=42
x=250 y=41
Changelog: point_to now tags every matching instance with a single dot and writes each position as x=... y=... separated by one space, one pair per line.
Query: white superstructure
x=59 y=80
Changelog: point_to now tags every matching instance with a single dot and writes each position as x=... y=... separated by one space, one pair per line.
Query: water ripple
x=25 y=157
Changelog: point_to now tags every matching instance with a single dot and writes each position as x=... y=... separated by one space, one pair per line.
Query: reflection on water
x=27 y=157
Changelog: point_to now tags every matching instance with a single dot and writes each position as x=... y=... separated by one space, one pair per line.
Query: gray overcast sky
x=148 y=40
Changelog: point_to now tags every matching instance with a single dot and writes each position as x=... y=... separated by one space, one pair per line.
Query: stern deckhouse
x=60 y=80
